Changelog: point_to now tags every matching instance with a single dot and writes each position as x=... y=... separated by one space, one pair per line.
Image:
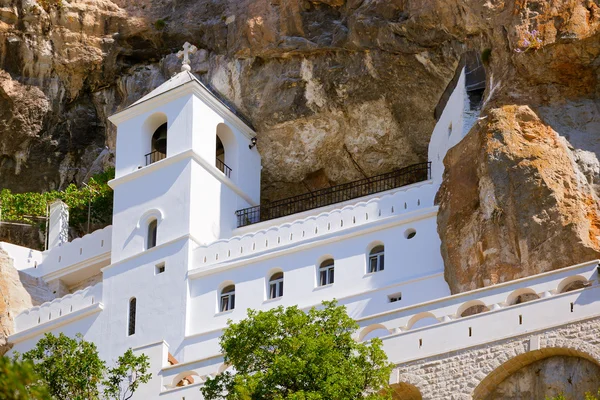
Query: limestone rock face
x=18 y=292
x=550 y=377
x=514 y=202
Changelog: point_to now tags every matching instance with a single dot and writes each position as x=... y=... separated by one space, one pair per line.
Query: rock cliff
x=18 y=292
x=337 y=89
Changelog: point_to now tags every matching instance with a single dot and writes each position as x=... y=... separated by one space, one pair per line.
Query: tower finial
x=185 y=54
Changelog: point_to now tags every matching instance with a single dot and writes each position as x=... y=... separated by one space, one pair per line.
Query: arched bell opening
x=156 y=133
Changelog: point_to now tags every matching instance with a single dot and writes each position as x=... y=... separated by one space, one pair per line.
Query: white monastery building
x=190 y=247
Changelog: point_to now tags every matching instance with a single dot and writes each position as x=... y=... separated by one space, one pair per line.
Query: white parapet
x=292 y=230
x=85 y=250
x=52 y=313
x=497 y=312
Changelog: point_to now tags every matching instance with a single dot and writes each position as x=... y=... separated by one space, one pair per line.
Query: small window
x=326 y=272
x=159 y=269
x=132 y=311
x=395 y=297
x=227 y=298
x=376 y=259
x=152 y=230
x=276 y=285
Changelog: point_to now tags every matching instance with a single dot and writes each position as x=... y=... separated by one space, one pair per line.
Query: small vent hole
x=520 y=320
x=420 y=343
x=470 y=331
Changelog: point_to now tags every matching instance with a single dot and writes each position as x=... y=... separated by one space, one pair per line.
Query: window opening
x=376 y=259
x=276 y=285
x=159 y=145
x=227 y=298
x=220 y=159
x=159 y=269
x=326 y=272
x=132 y=311
x=152 y=230
x=395 y=297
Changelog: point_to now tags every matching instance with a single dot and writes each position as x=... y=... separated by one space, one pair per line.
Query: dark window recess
x=227 y=298
x=335 y=194
x=132 y=310
x=395 y=297
x=276 y=286
x=326 y=272
x=376 y=259
x=152 y=230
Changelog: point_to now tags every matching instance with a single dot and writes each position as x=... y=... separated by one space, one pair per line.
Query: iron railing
x=154 y=157
x=335 y=194
x=224 y=168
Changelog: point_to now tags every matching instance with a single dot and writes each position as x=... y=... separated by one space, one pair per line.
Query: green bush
x=29 y=207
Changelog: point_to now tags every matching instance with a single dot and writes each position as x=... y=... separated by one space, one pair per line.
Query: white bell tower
x=183 y=167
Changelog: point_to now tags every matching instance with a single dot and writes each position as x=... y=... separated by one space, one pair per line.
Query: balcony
x=335 y=194
x=224 y=168
x=154 y=156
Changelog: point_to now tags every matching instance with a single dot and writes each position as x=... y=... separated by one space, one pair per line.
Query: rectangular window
x=159 y=269
x=132 y=312
x=227 y=302
x=376 y=263
x=276 y=289
x=395 y=297
x=326 y=275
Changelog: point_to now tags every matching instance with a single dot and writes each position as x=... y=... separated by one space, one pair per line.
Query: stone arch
x=471 y=307
x=420 y=317
x=372 y=328
x=520 y=296
x=558 y=347
x=571 y=283
x=406 y=386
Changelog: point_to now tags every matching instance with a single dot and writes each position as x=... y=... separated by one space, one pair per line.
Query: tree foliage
x=289 y=354
x=24 y=207
x=588 y=396
x=72 y=369
x=18 y=381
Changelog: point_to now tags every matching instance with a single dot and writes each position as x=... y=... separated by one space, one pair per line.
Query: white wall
x=443 y=137
x=411 y=268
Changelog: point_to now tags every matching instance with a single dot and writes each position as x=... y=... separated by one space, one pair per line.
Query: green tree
x=289 y=354
x=19 y=382
x=72 y=369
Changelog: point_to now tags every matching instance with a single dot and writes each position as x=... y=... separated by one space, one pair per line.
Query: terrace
x=335 y=194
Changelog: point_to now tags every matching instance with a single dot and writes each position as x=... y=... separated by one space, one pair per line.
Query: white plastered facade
x=200 y=250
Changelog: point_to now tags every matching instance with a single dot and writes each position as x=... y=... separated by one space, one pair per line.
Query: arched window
x=276 y=285
x=159 y=145
x=326 y=272
x=227 y=298
x=220 y=158
x=152 y=230
x=376 y=259
x=132 y=307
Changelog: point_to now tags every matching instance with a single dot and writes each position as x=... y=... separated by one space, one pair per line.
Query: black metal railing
x=335 y=194
x=154 y=157
x=224 y=168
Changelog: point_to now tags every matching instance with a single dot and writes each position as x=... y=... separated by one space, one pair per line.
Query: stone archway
x=568 y=349
x=405 y=391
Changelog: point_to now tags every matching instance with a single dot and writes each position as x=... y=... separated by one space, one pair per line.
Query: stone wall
x=478 y=372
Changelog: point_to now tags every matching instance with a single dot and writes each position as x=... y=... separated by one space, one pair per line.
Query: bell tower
x=184 y=164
